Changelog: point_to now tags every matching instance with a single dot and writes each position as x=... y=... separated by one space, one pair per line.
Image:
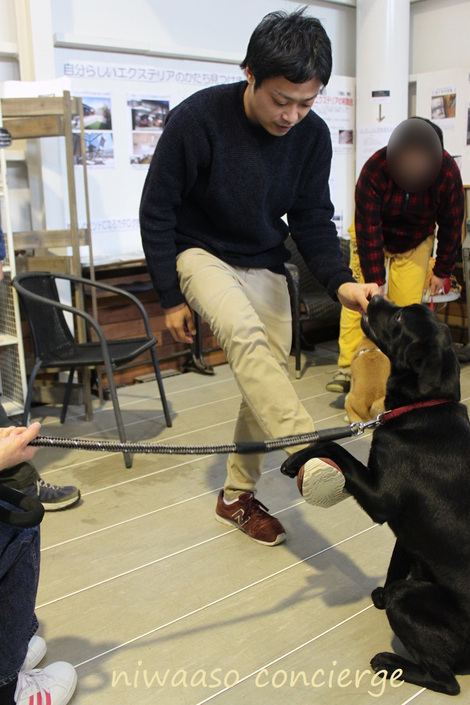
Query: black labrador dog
x=418 y=481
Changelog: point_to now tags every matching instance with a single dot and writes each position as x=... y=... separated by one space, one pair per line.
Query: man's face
x=278 y=105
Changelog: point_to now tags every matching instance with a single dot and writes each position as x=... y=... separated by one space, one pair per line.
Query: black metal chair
x=309 y=299
x=55 y=346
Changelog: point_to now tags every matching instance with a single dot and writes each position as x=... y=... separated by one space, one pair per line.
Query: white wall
x=8 y=64
x=8 y=70
x=7 y=24
x=439 y=35
x=212 y=28
x=440 y=59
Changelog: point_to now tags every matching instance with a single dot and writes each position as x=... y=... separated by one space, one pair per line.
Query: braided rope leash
x=242 y=447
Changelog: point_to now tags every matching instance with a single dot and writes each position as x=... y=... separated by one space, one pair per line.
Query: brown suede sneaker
x=249 y=515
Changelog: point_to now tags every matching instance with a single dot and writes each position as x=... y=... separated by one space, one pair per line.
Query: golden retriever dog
x=370 y=369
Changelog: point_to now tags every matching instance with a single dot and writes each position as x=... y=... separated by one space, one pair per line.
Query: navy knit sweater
x=219 y=182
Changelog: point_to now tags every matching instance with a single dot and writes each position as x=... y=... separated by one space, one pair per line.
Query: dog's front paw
x=294 y=462
x=378 y=598
x=384 y=661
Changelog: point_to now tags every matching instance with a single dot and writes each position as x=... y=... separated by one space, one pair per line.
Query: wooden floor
x=155 y=602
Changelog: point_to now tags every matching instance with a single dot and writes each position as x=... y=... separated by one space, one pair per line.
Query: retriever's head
x=423 y=360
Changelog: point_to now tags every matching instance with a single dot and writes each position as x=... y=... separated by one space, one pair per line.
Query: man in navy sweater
x=231 y=162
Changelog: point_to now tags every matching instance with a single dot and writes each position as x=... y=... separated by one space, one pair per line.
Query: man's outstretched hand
x=356 y=296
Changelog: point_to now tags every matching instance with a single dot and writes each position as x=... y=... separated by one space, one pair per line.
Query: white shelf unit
x=36 y=118
x=12 y=366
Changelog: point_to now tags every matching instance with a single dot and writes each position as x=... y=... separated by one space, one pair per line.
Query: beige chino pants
x=249 y=312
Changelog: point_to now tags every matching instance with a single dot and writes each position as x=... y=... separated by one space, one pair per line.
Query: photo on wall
x=99 y=148
x=147 y=115
x=97 y=114
x=99 y=141
x=143 y=147
x=345 y=136
x=444 y=107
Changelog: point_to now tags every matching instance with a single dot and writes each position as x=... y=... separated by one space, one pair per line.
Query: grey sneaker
x=341 y=382
x=53 y=497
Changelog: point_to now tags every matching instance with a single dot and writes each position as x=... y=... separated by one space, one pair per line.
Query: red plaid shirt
x=388 y=217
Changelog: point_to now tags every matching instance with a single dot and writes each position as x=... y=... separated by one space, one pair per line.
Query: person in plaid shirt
x=404 y=190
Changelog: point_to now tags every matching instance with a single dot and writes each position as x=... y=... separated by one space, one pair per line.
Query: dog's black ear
x=430 y=376
x=426 y=362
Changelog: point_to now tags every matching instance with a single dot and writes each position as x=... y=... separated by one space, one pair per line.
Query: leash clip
x=358 y=427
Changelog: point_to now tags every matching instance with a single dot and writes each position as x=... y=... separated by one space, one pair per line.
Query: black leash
x=242 y=447
x=33 y=510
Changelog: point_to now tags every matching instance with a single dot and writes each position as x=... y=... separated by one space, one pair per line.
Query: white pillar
x=36 y=58
x=382 y=64
x=35 y=39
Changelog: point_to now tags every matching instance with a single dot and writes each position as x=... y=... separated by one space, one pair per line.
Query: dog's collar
x=366 y=350
x=395 y=413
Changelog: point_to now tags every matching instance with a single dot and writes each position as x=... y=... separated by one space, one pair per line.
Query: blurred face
x=414 y=155
x=278 y=105
x=414 y=168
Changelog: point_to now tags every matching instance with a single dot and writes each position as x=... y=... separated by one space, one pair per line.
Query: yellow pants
x=406 y=281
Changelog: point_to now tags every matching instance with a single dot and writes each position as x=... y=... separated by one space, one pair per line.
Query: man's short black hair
x=293 y=45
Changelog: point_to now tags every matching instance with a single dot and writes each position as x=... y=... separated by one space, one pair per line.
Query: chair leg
x=117 y=413
x=293 y=283
x=197 y=363
x=158 y=375
x=29 y=394
x=297 y=333
x=68 y=391
x=298 y=372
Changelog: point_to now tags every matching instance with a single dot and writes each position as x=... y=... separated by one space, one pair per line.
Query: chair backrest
x=49 y=328
x=309 y=284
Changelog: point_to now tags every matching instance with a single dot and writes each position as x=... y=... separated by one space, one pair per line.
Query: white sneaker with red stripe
x=53 y=685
